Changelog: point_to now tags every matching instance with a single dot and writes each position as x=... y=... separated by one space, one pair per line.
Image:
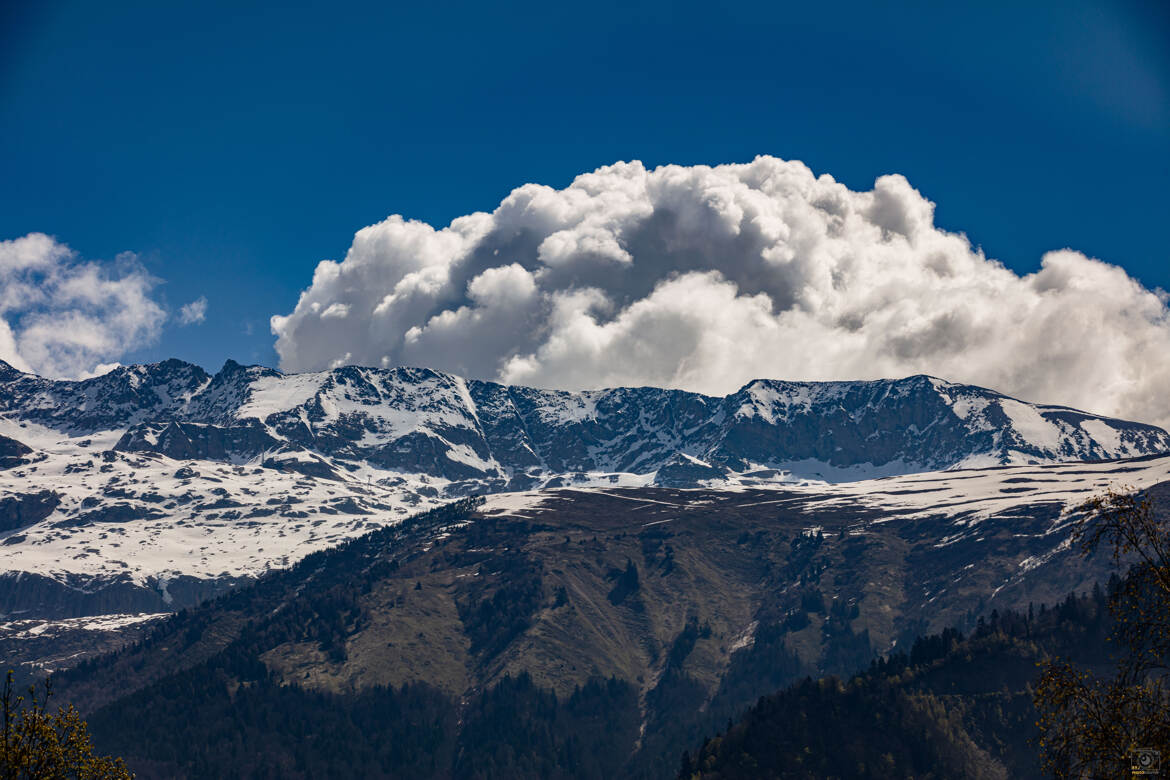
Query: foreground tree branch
x=1093 y=727
x=36 y=744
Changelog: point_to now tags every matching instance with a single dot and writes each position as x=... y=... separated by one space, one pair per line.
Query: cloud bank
x=707 y=277
x=62 y=317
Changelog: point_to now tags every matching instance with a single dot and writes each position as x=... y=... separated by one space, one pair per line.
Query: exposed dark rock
x=28 y=595
x=18 y=510
x=12 y=453
x=118 y=512
x=198 y=441
x=681 y=471
x=309 y=466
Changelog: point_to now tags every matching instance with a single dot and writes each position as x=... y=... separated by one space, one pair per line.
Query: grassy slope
x=698 y=601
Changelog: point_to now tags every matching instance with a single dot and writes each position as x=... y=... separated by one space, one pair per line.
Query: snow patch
x=269 y=395
x=1032 y=426
x=1105 y=435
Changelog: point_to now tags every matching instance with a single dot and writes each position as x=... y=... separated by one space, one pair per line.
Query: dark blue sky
x=234 y=145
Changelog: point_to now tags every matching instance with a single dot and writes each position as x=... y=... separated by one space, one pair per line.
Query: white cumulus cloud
x=194 y=312
x=708 y=277
x=64 y=317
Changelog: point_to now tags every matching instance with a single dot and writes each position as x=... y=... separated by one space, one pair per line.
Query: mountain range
x=484 y=436
x=153 y=487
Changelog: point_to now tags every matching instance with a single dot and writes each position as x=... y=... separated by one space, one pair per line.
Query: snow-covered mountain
x=154 y=486
x=492 y=436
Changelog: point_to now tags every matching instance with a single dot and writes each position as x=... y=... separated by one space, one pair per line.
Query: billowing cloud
x=707 y=277
x=63 y=317
x=194 y=312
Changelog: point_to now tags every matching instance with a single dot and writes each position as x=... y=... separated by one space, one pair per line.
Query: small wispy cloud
x=194 y=312
x=62 y=316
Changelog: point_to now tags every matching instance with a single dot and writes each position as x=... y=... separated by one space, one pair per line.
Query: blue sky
x=232 y=146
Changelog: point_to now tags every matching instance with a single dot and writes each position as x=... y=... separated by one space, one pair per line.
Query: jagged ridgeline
x=456 y=429
x=153 y=487
x=594 y=635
